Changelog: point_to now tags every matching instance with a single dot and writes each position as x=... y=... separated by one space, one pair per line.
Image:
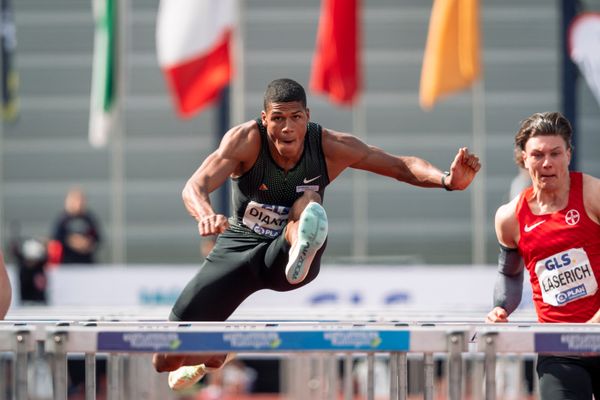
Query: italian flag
x=193 y=47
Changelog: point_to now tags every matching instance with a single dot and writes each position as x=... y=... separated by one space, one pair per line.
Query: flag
x=10 y=77
x=104 y=72
x=584 y=49
x=193 y=40
x=336 y=65
x=451 y=61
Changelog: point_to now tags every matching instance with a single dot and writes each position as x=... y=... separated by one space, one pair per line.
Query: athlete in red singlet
x=561 y=251
x=555 y=227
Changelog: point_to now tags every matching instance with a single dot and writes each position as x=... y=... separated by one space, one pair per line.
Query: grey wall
x=47 y=150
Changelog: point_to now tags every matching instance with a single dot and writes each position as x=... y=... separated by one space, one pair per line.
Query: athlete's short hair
x=542 y=124
x=283 y=91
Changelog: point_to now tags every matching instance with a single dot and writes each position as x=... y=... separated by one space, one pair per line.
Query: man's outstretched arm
x=347 y=151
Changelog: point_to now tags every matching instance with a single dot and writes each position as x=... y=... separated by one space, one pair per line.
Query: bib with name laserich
x=565 y=277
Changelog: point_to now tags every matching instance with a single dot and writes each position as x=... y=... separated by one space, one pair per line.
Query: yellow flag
x=452 y=60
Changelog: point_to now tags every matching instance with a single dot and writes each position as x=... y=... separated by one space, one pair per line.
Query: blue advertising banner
x=342 y=340
x=567 y=342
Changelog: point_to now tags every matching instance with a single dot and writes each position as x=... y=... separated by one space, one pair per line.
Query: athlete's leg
x=170 y=362
x=306 y=232
x=291 y=229
x=187 y=375
x=224 y=280
x=563 y=378
x=594 y=371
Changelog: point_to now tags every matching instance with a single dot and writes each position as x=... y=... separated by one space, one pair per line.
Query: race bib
x=266 y=220
x=565 y=277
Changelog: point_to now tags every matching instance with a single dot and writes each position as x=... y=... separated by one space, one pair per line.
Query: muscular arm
x=508 y=288
x=509 y=282
x=346 y=151
x=5 y=289
x=237 y=151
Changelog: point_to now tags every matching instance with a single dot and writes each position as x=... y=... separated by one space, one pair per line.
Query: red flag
x=336 y=67
x=193 y=39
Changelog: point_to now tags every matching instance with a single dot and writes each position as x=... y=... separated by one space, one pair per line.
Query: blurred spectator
x=5 y=289
x=230 y=382
x=77 y=230
x=31 y=258
x=76 y=238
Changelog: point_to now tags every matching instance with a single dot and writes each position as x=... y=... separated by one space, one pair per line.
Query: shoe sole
x=187 y=376
x=312 y=232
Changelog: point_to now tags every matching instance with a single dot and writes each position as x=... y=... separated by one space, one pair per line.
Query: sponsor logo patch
x=304 y=188
x=529 y=228
x=571 y=294
x=572 y=217
x=307 y=181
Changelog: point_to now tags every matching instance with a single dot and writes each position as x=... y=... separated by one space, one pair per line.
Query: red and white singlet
x=561 y=251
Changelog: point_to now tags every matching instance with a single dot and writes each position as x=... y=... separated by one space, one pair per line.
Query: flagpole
x=117 y=168
x=9 y=103
x=237 y=101
x=231 y=107
x=2 y=191
x=360 y=193
x=569 y=74
x=2 y=88
x=478 y=193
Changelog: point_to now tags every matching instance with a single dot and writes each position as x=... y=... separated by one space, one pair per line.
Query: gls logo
x=558 y=262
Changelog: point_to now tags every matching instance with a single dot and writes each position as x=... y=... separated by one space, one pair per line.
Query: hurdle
x=17 y=339
x=121 y=339
x=128 y=343
x=558 y=338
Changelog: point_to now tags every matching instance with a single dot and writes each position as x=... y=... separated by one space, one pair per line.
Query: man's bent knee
x=310 y=195
x=300 y=204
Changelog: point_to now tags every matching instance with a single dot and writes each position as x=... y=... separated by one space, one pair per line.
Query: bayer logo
x=572 y=217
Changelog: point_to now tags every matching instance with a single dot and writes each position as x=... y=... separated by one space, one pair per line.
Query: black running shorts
x=237 y=266
x=566 y=377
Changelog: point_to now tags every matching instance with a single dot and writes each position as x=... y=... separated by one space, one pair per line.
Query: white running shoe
x=312 y=232
x=188 y=375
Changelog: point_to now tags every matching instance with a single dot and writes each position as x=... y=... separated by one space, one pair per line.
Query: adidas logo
x=263 y=187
